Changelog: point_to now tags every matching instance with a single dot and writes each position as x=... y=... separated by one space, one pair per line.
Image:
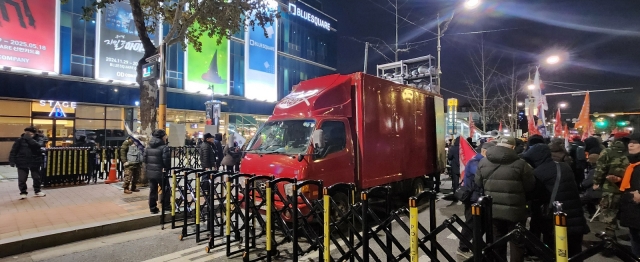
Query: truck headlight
x=288 y=189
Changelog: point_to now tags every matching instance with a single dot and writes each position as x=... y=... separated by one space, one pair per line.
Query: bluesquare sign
x=296 y=11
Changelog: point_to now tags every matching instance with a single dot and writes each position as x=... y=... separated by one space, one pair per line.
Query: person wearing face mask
x=26 y=155
x=630 y=198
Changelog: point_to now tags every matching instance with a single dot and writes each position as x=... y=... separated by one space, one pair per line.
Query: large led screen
x=28 y=31
x=260 y=67
x=208 y=68
x=118 y=46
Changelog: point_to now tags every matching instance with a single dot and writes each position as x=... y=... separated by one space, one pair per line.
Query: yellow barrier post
x=173 y=193
x=562 y=253
x=413 y=229
x=75 y=161
x=57 y=168
x=228 y=210
x=197 y=199
x=48 y=171
x=269 y=218
x=326 y=200
x=85 y=156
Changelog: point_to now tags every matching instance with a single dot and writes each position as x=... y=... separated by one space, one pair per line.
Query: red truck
x=353 y=128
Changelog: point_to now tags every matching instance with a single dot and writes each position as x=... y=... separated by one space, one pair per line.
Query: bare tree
x=484 y=95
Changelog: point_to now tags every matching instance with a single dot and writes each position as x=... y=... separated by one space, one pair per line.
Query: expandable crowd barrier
x=82 y=165
x=267 y=218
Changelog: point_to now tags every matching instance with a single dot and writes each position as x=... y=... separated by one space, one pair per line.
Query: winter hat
x=159 y=133
x=30 y=129
x=634 y=137
x=576 y=138
x=619 y=135
x=506 y=141
x=207 y=136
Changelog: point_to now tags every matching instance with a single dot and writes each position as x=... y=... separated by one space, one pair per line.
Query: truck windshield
x=282 y=137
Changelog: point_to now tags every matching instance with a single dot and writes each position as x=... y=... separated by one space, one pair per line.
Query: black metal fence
x=266 y=218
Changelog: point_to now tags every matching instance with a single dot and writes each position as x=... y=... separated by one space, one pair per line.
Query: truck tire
x=417 y=186
x=339 y=208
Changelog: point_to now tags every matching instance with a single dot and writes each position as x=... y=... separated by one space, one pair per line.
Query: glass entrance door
x=59 y=131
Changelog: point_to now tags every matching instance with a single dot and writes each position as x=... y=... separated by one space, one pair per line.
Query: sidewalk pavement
x=64 y=208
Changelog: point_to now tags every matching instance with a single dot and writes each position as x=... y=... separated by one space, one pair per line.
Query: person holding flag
x=474 y=192
x=454 y=159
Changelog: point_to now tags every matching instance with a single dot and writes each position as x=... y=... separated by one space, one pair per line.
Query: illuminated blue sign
x=296 y=11
x=261 y=61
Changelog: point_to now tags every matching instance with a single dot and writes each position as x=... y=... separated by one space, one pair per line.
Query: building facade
x=68 y=76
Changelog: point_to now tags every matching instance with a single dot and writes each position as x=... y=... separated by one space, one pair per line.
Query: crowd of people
x=591 y=179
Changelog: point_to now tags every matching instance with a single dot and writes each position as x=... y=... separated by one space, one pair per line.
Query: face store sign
x=295 y=11
x=57 y=107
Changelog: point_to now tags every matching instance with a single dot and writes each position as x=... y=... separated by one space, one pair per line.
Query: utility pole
x=162 y=96
x=396 y=51
x=366 y=56
x=439 y=72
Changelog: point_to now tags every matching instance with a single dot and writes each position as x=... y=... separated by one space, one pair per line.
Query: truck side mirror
x=317 y=139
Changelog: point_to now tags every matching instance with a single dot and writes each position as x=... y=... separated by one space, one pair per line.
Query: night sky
x=600 y=38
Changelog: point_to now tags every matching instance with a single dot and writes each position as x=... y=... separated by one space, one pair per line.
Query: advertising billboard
x=28 y=34
x=260 y=67
x=118 y=47
x=208 y=68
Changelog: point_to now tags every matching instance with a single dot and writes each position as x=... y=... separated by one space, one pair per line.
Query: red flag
x=533 y=129
x=615 y=130
x=472 y=126
x=558 y=127
x=500 y=127
x=587 y=131
x=466 y=154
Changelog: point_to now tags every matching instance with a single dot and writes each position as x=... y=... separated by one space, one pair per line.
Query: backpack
x=134 y=154
x=581 y=155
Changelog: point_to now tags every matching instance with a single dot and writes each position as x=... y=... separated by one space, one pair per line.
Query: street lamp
x=471 y=4
x=552 y=60
x=531 y=87
x=509 y=115
x=520 y=104
x=562 y=105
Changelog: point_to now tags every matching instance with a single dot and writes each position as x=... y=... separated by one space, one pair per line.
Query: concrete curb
x=29 y=243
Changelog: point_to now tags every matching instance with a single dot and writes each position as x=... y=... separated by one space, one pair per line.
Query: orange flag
x=584 y=120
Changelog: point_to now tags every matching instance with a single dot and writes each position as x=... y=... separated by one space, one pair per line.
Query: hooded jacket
x=545 y=172
x=592 y=145
x=559 y=153
x=612 y=161
x=470 y=171
x=26 y=152
x=629 y=210
x=507 y=179
x=454 y=156
x=157 y=156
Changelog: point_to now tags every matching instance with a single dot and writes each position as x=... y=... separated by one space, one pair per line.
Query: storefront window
x=93 y=125
x=116 y=113
x=15 y=108
x=10 y=129
x=90 y=112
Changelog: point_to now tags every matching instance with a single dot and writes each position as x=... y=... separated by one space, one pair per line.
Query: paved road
x=153 y=244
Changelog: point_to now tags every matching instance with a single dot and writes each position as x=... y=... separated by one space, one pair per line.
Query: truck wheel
x=417 y=186
x=340 y=205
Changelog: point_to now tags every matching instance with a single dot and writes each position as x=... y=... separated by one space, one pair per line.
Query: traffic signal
x=601 y=123
x=623 y=123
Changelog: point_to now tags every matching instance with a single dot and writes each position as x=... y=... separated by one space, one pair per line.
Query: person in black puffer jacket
x=592 y=145
x=545 y=171
x=454 y=158
x=27 y=156
x=208 y=153
x=157 y=157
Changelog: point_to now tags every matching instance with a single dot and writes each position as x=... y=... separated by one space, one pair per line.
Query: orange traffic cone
x=112 y=173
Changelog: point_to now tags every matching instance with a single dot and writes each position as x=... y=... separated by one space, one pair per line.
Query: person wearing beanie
x=208 y=153
x=157 y=159
x=27 y=157
x=508 y=179
x=630 y=198
x=610 y=168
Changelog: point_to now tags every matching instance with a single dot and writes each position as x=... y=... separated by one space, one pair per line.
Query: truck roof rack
x=418 y=72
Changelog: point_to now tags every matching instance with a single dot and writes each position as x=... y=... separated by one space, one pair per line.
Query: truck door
x=335 y=163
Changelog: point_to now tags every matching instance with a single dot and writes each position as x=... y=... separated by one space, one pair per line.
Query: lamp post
x=469 y=4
